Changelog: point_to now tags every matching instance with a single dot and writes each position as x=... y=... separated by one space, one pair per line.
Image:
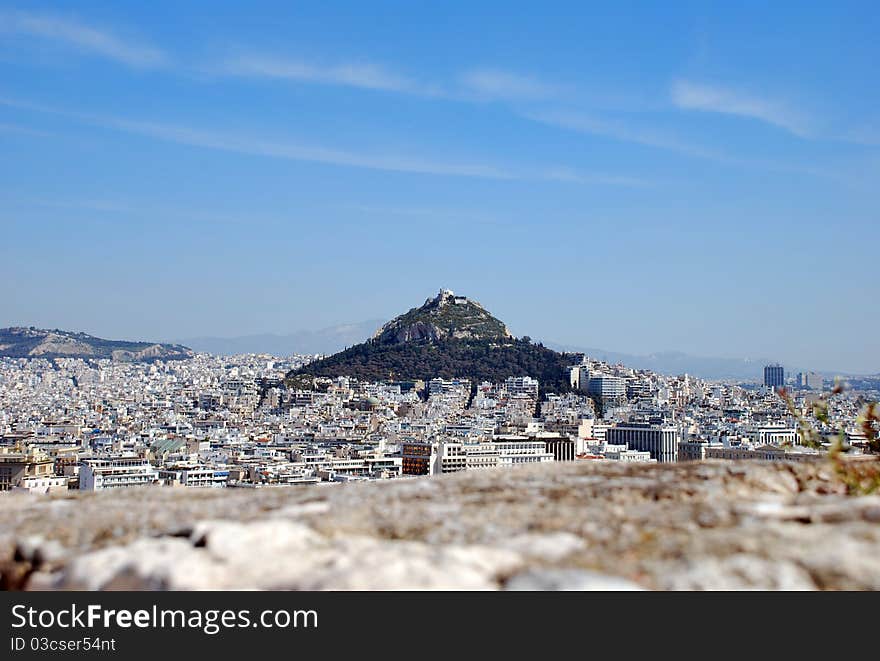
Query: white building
x=660 y=441
x=109 y=473
x=606 y=386
x=772 y=434
x=515 y=450
x=522 y=386
x=630 y=456
x=583 y=377
x=454 y=456
x=195 y=476
x=42 y=484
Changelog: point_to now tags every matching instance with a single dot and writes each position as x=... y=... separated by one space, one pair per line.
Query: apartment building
x=516 y=450
x=21 y=464
x=418 y=458
x=194 y=476
x=607 y=387
x=116 y=472
x=522 y=386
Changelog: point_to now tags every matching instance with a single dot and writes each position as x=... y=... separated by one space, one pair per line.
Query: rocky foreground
x=575 y=526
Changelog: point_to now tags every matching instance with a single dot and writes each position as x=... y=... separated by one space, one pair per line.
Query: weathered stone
x=710 y=525
x=49 y=553
x=281 y=555
x=26 y=548
x=568 y=579
x=548 y=547
x=737 y=572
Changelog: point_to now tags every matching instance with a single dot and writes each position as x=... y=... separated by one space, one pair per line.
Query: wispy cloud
x=274 y=148
x=308 y=153
x=363 y=75
x=473 y=85
x=589 y=124
x=688 y=95
x=507 y=85
x=83 y=37
x=371 y=161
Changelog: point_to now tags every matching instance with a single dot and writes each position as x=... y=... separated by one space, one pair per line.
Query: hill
x=449 y=336
x=444 y=317
x=33 y=342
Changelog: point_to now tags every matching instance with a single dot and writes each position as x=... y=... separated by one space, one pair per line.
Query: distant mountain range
x=324 y=341
x=675 y=363
x=30 y=342
x=26 y=342
x=327 y=341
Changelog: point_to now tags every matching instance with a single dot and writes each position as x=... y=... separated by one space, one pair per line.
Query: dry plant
x=861 y=475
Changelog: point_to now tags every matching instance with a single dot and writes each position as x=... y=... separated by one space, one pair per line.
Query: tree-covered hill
x=448 y=336
x=479 y=360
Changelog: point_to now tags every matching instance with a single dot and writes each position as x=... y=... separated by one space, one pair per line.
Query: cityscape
x=238 y=421
x=494 y=296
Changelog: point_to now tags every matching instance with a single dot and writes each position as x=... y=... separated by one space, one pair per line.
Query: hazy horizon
x=709 y=188
x=264 y=342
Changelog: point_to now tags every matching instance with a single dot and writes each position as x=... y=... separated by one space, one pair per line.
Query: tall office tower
x=774 y=376
x=809 y=380
x=607 y=387
x=583 y=377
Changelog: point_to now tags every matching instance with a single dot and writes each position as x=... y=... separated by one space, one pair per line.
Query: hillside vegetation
x=449 y=336
x=479 y=360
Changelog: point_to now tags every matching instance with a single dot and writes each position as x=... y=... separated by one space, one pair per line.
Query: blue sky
x=639 y=177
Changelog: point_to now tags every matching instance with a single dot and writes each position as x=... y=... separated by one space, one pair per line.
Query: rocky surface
x=579 y=526
x=445 y=316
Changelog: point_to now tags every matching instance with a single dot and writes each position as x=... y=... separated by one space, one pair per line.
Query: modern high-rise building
x=607 y=387
x=809 y=380
x=583 y=377
x=774 y=376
